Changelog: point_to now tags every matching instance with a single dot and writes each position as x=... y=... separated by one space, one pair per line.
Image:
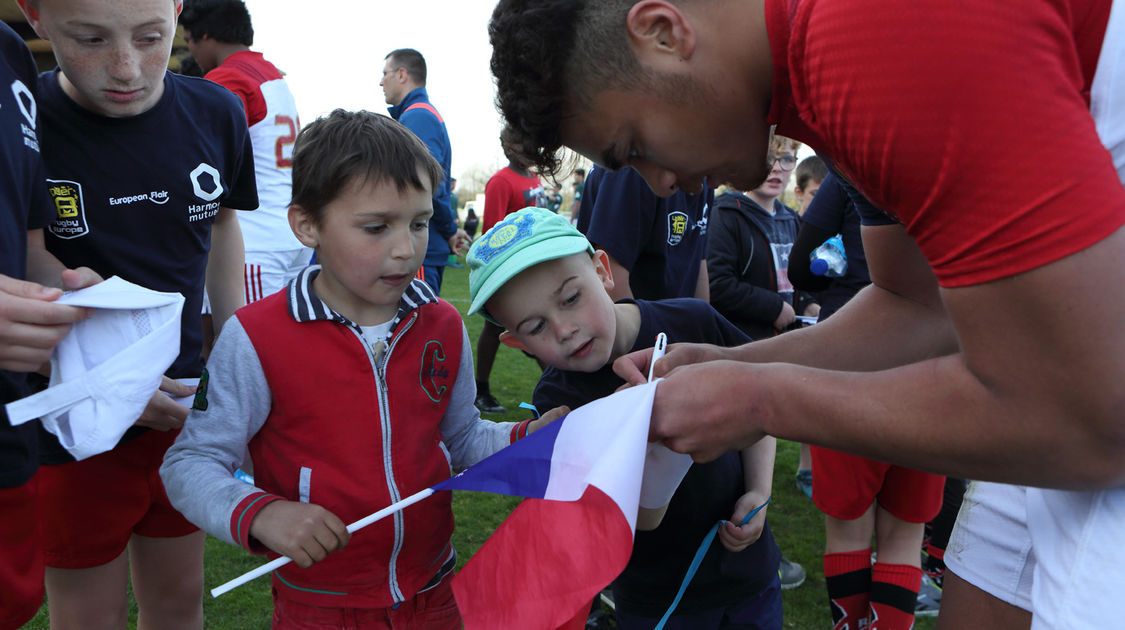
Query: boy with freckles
x=538 y=277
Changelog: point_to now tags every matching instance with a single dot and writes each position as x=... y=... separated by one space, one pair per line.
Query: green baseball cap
x=523 y=239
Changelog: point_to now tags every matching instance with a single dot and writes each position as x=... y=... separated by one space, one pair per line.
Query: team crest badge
x=433 y=376
x=70 y=209
x=677 y=227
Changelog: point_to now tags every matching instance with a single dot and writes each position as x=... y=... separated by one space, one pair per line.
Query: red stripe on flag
x=534 y=573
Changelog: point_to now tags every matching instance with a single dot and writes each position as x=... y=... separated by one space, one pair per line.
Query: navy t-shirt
x=23 y=207
x=136 y=197
x=707 y=494
x=660 y=241
x=834 y=210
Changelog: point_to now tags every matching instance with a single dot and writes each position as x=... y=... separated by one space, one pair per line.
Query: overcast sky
x=334 y=58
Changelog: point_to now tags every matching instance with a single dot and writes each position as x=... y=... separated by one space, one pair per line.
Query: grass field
x=797 y=525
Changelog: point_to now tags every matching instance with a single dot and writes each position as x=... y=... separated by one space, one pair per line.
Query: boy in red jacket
x=350 y=390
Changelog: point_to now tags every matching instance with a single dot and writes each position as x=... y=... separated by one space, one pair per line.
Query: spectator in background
x=554 y=198
x=404 y=86
x=657 y=246
x=806 y=181
x=454 y=202
x=219 y=34
x=579 y=184
x=510 y=189
x=748 y=257
x=472 y=222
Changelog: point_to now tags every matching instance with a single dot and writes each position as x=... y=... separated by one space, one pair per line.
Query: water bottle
x=829 y=259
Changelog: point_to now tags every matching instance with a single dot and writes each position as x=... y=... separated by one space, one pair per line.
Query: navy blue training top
x=23 y=206
x=834 y=210
x=136 y=197
x=660 y=241
x=707 y=494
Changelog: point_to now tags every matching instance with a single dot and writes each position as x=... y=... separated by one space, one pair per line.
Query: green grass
x=797 y=525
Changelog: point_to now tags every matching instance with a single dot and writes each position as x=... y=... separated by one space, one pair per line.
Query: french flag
x=582 y=475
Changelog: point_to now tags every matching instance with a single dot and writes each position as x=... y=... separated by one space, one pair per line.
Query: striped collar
x=306 y=306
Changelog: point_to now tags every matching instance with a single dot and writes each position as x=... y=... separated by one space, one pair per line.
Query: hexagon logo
x=200 y=186
x=25 y=101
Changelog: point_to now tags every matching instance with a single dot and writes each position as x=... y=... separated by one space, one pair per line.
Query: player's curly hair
x=548 y=58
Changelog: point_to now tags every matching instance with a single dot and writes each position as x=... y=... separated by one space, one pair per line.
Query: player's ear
x=601 y=267
x=510 y=340
x=179 y=7
x=303 y=225
x=659 y=32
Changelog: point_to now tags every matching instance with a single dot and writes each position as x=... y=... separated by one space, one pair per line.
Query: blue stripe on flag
x=521 y=469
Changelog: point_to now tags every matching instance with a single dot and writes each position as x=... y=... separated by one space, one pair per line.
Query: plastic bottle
x=829 y=259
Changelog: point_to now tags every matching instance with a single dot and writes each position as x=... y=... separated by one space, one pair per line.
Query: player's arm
x=225 y=264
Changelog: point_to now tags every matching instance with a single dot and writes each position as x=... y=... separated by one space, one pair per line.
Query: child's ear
x=303 y=226
x=510 y=340
x=601 y=267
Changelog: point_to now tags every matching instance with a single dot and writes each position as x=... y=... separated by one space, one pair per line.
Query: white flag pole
x=283 y=560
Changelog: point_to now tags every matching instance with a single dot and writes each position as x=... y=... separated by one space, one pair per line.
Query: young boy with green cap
x=538 y=277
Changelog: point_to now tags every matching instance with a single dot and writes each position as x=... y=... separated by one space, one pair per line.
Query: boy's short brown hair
x=811 y=169
x=345 y=147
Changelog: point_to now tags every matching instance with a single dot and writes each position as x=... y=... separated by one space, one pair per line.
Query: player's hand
x=163 y=412
x=633 y=367
x=304 y=532
x=786 y=317
x=459 y=242
x=547 y=418
x=737 y=537
x=812 y=310
x=707 y=409
x=31 y=323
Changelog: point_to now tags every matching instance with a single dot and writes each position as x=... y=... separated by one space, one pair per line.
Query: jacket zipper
x=379 y=366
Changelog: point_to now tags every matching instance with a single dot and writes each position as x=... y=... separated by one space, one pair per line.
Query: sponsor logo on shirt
x=208 y=186
x=70 y=210
x=677 y=227
x=26 y=104
x=159 y=197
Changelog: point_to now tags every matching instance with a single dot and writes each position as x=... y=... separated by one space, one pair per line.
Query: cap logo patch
x=505 y=234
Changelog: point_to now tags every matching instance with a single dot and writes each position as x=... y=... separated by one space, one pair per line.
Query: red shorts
x=90 y=509
x=845 y=486
x=434 y=609
x=21 y=570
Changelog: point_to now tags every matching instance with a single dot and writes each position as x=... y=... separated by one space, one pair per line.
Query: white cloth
x=1056 y=553
x=106 y=369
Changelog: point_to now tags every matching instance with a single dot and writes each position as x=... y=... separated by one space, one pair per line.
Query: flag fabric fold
x=582 y=475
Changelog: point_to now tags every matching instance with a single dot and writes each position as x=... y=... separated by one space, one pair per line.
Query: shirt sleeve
x=984 y=149
x=198 y=470
x=469 y=437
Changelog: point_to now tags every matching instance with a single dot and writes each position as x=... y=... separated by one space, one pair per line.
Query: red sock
x=848 y=579
x=894 y=592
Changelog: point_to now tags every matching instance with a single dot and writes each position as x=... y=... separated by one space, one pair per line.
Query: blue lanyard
x=698 y=559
